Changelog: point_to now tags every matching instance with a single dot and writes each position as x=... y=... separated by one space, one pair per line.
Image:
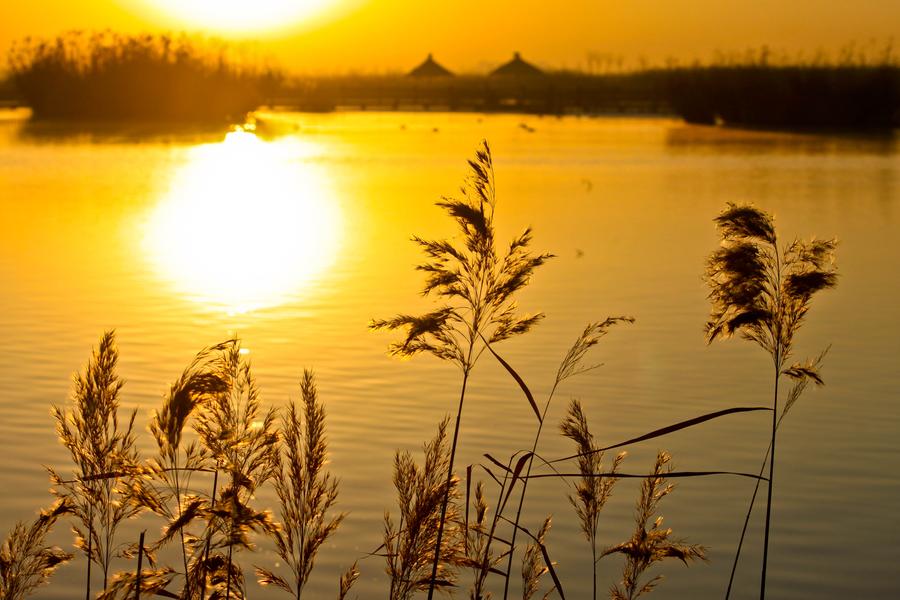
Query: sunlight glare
x=247 y=224
x=241 y=15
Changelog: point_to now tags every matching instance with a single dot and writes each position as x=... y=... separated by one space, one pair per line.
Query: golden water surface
x=294 y=233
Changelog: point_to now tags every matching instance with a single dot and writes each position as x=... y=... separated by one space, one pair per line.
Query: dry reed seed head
x=572 y=363
x=758 y=291
x=746 y=221
x=650 y=542
x=26 y=562
x=347 y=580
x=305 y=490
x=533 y=567
x=477 y=283
x=410 y=544
x=103 y=452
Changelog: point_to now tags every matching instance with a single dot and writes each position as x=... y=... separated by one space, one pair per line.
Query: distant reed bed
x=453 y=528
x=113 y=76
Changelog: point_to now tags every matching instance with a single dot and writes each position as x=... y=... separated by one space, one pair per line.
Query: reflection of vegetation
x=113 y=76
x=212 y=433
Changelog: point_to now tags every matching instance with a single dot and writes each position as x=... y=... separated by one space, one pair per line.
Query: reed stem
x=440 y=532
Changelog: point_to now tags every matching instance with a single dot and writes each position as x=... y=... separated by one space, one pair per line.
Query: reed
x=104 y=455
x=166 y=487
x=478 y=285
x=240 y=437
x=306 y=491
x=650 y=543
x=347 y=580
x=422 y=498
x=593 y=490
x=26 y=561
x=571 y=365
x=533 y=567
x=763 y=292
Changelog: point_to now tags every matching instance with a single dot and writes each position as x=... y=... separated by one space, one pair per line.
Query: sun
x=242 y=16
x=246 y=224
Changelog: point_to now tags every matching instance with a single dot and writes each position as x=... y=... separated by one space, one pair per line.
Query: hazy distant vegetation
x=216 y=446
x=113 y=76
x=163 y=77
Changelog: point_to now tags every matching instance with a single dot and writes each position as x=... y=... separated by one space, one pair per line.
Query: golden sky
x=337 y=36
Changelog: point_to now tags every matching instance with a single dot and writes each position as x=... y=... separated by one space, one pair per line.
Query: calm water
x=294 y=238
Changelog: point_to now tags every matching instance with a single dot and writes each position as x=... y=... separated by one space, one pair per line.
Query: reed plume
x=410 y=543
x=533 y=566
x=763 y=292
x=571 y=365
x=592 y=491
x=478 y=537
x=306 y=490
x=26 y=562
x=165 y=488
x=241 y=438
x=104 y=455
x=477 y=284
x=649 y=545
x=347 y=580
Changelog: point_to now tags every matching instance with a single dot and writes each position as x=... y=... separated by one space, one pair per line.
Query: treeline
x=548 y=93
x=852 y=97
x=162 y=77
x=813 y=96
x=113 y=76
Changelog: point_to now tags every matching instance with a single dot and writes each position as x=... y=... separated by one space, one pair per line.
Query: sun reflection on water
x=246 y=224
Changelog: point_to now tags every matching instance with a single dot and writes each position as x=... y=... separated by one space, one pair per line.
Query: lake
x=294 y=236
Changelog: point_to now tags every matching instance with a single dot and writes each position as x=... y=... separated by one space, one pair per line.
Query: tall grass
x=26 y=562
x=104 y=75
x=425 y=499
x=593 y=490
x=478 y=283
x=650 y=543
x=571 y=365
x=104 y=455
x=763 y=292
x=306 y=491
x=242 y=439
x=166 y=490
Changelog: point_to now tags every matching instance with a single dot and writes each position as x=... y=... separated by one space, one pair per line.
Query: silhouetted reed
x=242 y=439
x=105 y=458
x=306 y=491
x=166 y=487
x=763 y=292
x=650 y=543
x=571 y=365
x=593 y=490
x=478 y=284
x=478 y=538
x=425 y=498
x=26 y=562
x=533 y=567
x=106 y=75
